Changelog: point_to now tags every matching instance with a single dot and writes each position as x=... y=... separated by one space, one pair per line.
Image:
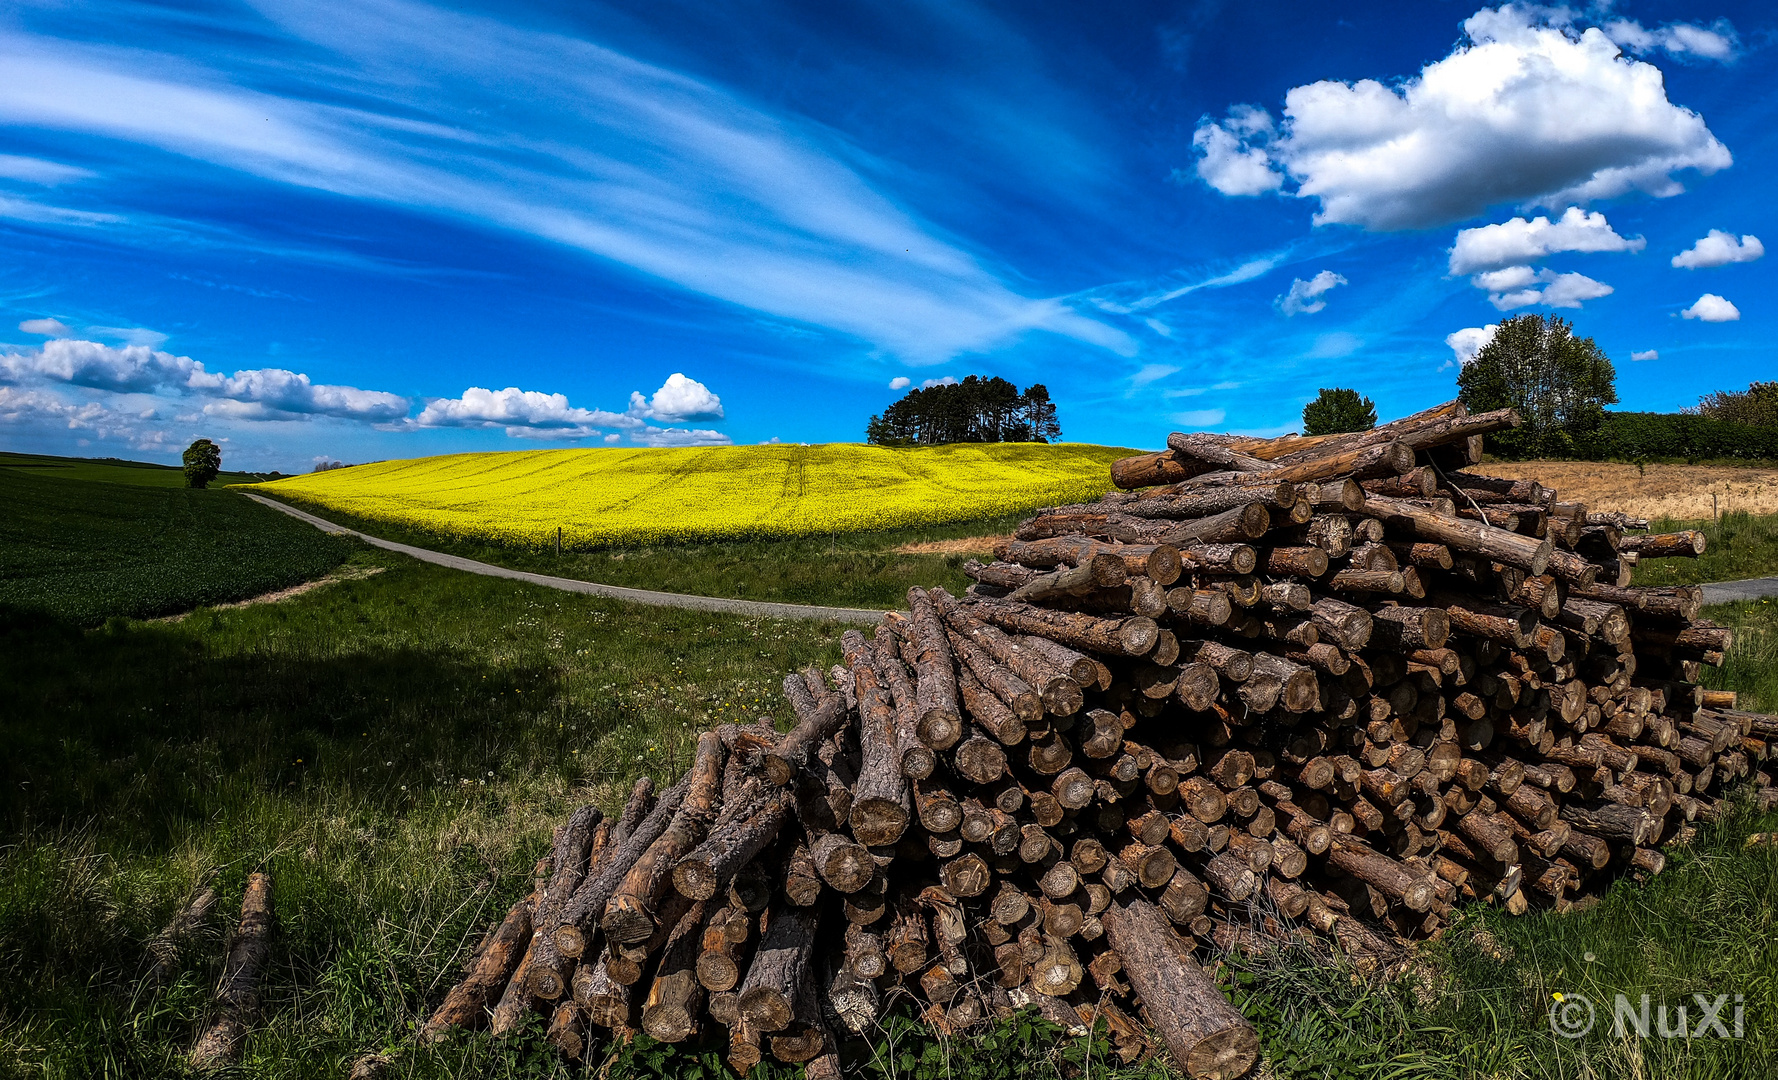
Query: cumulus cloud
x=131 y=369
x=1469 y=341
x=1518 y=241
x=654 y=436
x=22 y=408
x=1227 y=163
x=1712 y=308
x=1305 y=297
x=45 y=327
x=1649 y=354
x=254 y=394
x=900 y=382
x=1684 y=40
x=278 y=394
x=679 y=398
x=523 y=413
x=948 y=380
x=1521 y=286
x=1717 y=249
x=1528 y=110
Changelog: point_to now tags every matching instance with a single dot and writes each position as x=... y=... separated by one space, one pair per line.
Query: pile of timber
x=1295 y=689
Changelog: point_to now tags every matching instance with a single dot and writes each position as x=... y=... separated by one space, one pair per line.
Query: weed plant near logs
x=86 y=551
x=604 y=497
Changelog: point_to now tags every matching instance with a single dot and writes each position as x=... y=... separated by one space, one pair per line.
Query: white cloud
x=1492 y=247
x=1202 y=419
x=948 y=380
x=1469 y=341
x=46 y=327
x=1521 y=286
x=654 y=436
x=1719 y=249
x=1150 y=373
x=126 y=370
x=523 y=413
x=252 y=394
x=1305 y=297
x=1712 y=308
x=130 y=335
x=37 y=171
x=679 y=398
x=278 y=394
x=1230 y=166
x=26 y=409
x=1530 y=110
x=900 y=382
x=548 y=136
x=1159 y=327
x=612 y=438
x=1718 y=42
x=1650 y=354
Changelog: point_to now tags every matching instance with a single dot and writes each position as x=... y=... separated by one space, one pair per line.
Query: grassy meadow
x=861 y=569
x=396 y=747
x=615 y=496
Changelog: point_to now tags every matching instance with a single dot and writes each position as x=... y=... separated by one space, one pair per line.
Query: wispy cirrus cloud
x=554 y=137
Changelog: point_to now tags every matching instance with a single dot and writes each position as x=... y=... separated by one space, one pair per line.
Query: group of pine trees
x=974 y=410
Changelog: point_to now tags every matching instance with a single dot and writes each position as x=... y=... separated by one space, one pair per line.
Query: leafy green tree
x=1560 y=385
x=974 y=410
x=203 y=460
x=1757 y=405
x=1337 y=409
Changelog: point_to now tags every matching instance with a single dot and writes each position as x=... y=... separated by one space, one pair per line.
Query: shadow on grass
x=143 y=724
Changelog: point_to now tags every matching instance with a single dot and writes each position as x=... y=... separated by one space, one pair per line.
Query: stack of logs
x=1289 y=689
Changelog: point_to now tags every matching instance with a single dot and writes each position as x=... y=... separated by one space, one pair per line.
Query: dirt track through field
x=751 y=608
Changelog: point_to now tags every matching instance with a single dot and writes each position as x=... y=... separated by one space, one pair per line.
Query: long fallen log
x=237 y=994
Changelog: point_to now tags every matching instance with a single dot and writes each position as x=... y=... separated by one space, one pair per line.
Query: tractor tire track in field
x=724 y=605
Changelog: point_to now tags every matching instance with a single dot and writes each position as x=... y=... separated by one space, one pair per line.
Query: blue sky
x=382 y=228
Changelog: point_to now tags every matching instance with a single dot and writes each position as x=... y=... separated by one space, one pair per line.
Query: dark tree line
x=974 y=410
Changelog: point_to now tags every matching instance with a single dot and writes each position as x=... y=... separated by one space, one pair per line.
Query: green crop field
x=86 y=549
x=111 y=470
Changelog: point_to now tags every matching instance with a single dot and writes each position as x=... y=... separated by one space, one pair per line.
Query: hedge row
x=1632 y=436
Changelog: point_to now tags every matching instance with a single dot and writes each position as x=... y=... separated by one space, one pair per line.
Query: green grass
x=1739 y=546
x=86 y=550
x=112 y=470
x=395 y=750
x=845 y=570
x=1476 y=1003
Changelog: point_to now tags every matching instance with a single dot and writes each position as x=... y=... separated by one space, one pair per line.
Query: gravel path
x=726 y=606
x=1720 y=593
x=1724 y=592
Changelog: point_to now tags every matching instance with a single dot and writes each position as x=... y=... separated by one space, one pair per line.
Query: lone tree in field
x=1560 y=385
x=1336 y=410
x=203 y=460
x=974 y=410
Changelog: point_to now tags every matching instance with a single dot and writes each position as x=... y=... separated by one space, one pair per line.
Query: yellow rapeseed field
x=610 y=496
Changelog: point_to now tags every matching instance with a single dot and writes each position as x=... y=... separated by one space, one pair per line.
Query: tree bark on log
x=1207 y=1037
x=629 y=914
x=1469 y=536
x=881 y=804
x=237 y=995
x=769 y=996
x=675 y=1000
